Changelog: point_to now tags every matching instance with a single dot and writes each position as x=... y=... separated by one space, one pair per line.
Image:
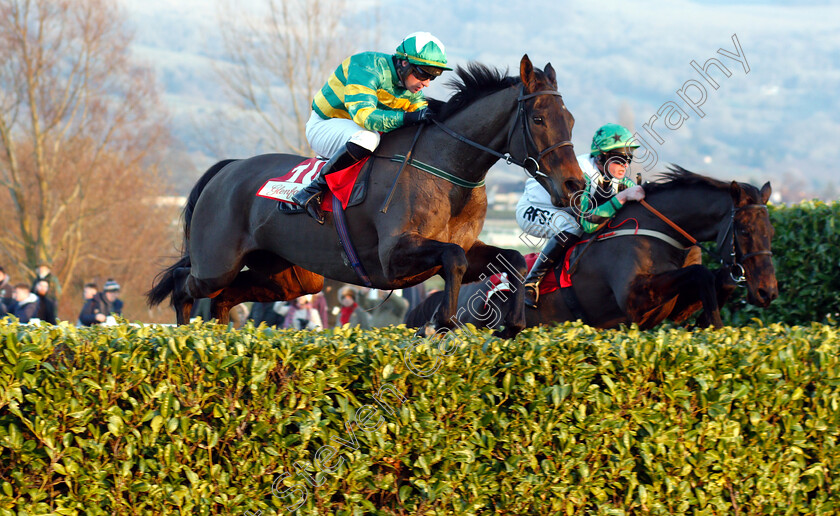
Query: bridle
x=735 y=259
x=530 y=164
x=736 y=256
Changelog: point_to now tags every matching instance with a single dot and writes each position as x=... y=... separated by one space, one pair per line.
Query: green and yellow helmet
x=610 y=137
x=424 y=51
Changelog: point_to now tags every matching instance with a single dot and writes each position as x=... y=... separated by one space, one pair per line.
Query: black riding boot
x=553 y=251
x=309 y=196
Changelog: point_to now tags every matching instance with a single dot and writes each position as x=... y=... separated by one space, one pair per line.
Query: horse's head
x=547 y=134
x=752 y=233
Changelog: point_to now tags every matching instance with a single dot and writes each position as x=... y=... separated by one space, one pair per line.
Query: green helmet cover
x=612 y=136
x=423 y=49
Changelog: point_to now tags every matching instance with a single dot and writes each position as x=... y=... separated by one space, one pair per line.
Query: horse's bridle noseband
x=737 y=258
x=530 y=164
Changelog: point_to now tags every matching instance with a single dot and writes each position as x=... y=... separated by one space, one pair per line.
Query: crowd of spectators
x=356 y=306
x=35 y=302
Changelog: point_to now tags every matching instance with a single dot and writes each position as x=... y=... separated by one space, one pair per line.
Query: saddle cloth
x=500 y=282
x=341 y=184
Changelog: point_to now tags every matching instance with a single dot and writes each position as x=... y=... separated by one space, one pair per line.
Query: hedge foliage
x=197 y=420
x=806 y=253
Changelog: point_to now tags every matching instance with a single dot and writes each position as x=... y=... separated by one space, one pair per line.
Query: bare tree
x=280 y=59
x=79 y=126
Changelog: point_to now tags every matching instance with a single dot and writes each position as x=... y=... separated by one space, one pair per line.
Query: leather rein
x=736 y=255
x=530 y=164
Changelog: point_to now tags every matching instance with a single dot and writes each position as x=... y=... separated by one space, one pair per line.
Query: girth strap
x=347 y=243
x=455 y=180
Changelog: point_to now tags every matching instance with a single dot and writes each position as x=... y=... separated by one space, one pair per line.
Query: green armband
x=616 y=203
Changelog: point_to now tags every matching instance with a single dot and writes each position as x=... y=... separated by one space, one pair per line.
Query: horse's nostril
x=573 y=185
x=767 y=295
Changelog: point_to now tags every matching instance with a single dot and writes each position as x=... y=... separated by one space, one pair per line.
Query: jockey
x=368 y=94
x=607 y=189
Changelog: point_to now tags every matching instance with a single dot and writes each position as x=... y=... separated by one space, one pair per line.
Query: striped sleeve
x=361 y=100
x=592 y=217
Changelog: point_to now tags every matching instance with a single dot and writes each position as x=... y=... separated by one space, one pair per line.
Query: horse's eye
x=537 y=120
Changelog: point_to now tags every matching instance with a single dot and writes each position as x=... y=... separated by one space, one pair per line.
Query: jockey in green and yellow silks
x=369 y=93
x=607 y=188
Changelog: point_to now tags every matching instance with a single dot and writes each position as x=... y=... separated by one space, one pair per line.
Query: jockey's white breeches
x=542 y=221
x=327 y=137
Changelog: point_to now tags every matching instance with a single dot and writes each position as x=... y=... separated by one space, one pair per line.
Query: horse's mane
x=678 y=176
x=471 y=83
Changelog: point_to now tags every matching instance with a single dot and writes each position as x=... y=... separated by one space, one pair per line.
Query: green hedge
x=569 y=420
x=806 y=253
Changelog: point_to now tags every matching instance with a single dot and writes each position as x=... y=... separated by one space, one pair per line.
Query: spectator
x=46 y=307
x=25 y=304
x=99 y=307
x=239 y=315
x=43 y=272
x=319 y=304
x=88 y=291
x=302 y=316
x=350 y=312
x=264 y=313
x=388 y=309
x=6 y=292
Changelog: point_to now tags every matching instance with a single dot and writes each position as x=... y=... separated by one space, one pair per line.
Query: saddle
x=348 y=185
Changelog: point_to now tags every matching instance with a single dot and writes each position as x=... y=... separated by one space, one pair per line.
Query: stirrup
x=313 y=208
x=532 y=295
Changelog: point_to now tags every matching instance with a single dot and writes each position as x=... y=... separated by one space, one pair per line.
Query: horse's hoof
x=509 y=332
x=425 y=331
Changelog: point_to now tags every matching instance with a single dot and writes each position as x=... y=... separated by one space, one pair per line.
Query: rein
x=736 y=248
x=530 y=164
x=668 y=221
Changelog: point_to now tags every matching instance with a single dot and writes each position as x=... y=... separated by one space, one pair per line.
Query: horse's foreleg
x=688 y=304
x=412 y=255
x=653 y=298
x=486 y=261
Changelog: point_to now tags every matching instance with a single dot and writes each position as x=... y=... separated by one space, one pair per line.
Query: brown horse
x=432 y=224
x=646 y=279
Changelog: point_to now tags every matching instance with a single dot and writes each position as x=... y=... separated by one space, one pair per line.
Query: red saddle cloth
x=549 y=282
x=340 y=183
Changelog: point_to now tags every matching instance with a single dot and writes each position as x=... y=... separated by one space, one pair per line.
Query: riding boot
x=554 y=250
x=309 y=197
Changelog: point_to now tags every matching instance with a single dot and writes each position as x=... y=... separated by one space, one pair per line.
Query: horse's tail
x=423 y=312
x=164 y=284
x=196 y=192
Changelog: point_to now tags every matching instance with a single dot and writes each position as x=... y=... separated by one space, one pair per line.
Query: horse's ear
x=737 y=193
x=765 y=192
x=526 y=70
x=550 y=74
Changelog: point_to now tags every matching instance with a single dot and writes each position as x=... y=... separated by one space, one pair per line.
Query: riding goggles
x=425 y=73
x=622 y=157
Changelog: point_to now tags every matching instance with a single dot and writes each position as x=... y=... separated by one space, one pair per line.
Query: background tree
x=278 y=58
x=80 y=129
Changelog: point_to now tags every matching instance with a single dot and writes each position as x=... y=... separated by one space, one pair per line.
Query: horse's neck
x=698 y=211
x=487 y=121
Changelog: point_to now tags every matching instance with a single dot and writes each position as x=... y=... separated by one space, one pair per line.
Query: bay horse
x=431 y=226
x=645 y=279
